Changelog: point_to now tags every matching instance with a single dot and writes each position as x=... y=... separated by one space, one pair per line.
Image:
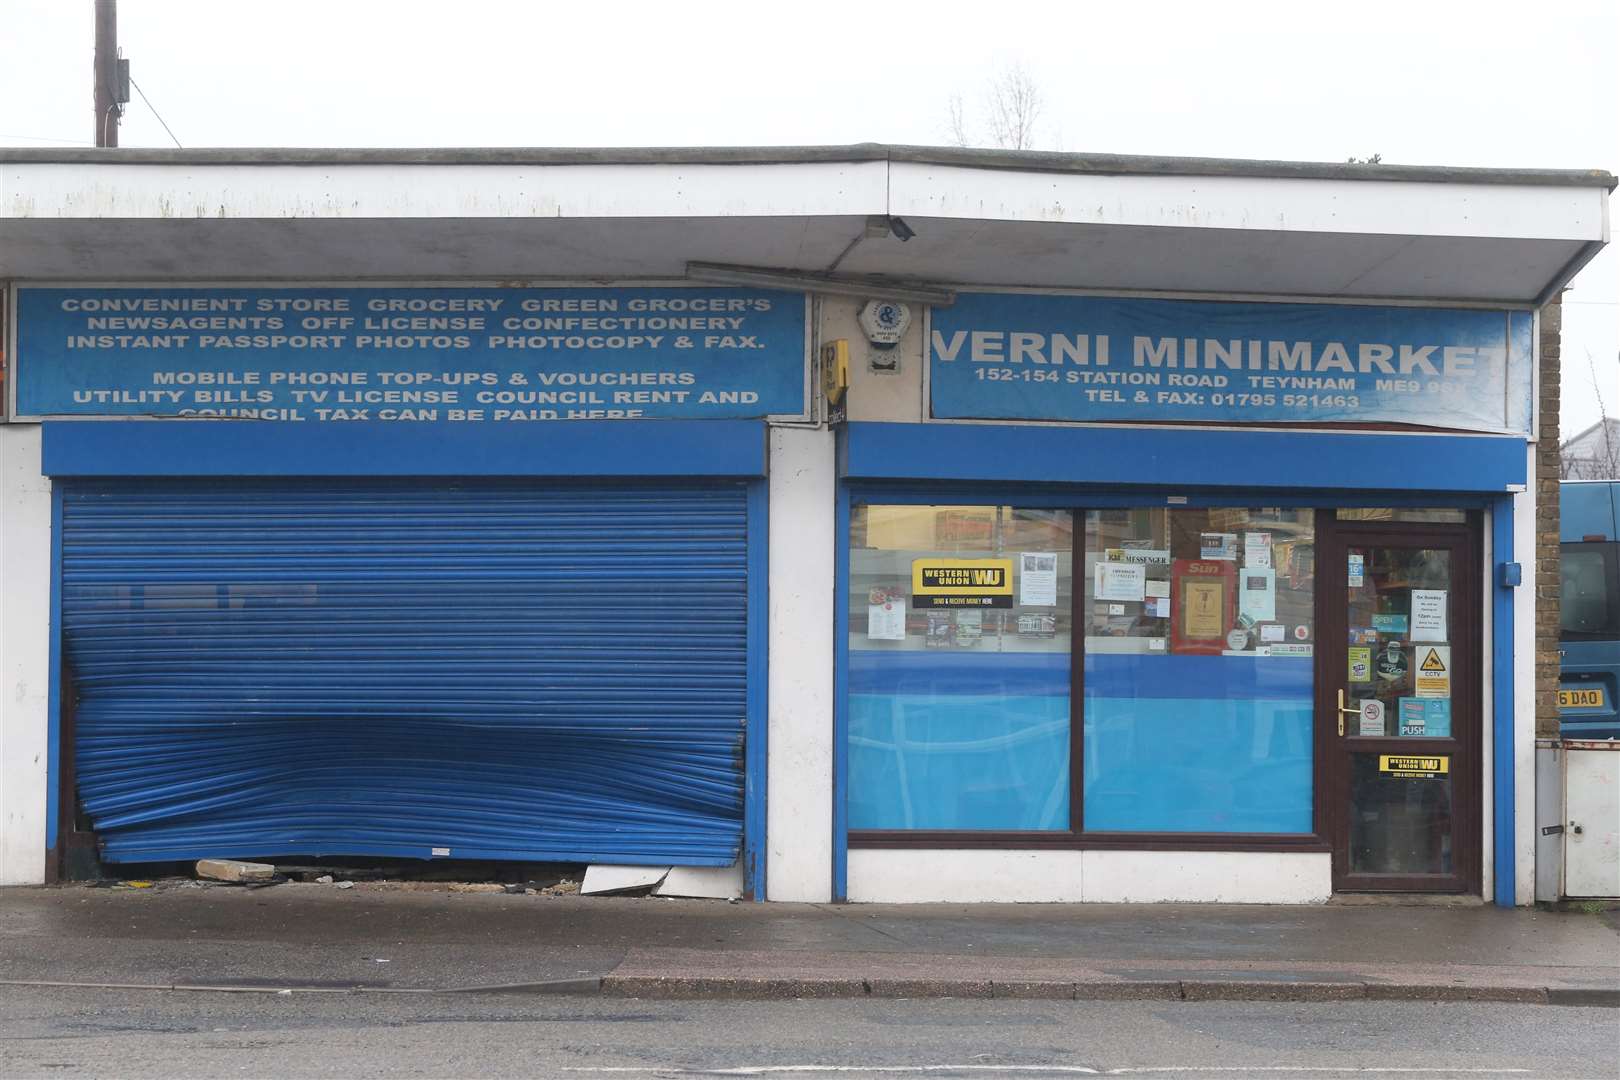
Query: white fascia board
x=71 y=190
x=1386 y=207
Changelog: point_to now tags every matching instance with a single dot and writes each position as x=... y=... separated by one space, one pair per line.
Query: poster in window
x=1203 y=605
x=961 y=583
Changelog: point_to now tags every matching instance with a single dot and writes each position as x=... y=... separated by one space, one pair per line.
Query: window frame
x=1061 y=498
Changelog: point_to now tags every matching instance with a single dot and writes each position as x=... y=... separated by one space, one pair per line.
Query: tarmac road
x=77 y=1032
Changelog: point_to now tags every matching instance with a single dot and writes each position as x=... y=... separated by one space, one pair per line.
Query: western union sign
x=1405 y=767
x=979 y=583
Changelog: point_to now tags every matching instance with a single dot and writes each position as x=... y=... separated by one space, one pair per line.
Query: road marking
x=1078 y=1070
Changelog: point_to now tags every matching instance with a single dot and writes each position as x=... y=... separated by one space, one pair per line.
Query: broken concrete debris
x=234 y=870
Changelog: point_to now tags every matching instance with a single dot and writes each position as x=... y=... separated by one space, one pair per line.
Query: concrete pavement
x=376 y=938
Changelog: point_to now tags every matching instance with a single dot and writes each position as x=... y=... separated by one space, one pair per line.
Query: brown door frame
x=1334 y=538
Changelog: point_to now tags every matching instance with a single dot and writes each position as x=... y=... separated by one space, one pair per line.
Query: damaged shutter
x=491 y=671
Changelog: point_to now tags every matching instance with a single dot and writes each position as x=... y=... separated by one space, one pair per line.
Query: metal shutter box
x=502 y=670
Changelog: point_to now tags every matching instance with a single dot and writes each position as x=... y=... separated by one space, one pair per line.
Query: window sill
x=1068 y=841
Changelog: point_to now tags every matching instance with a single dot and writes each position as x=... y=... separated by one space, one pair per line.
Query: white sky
x=1532 y=83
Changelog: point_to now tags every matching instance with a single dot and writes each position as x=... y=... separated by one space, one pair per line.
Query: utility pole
x=111 y=74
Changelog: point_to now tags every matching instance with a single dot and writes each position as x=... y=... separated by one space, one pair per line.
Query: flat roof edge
x=1017 y=160
x=497 y=155
x=1150 y=165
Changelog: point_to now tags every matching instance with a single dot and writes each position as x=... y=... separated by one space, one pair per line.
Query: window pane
x=1198 y=669
x=959 y=703
x=1587 y=607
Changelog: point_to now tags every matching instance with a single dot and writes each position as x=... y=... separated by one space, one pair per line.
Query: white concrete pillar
x=799 y=775
x=25 y=612
x=1524 y=691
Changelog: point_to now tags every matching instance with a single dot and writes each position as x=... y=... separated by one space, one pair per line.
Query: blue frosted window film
x=963 y=720
x=1199 y=721
x=959 y=718
x=1198 y=744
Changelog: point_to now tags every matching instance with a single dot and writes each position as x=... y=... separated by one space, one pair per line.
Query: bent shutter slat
x=504 y=671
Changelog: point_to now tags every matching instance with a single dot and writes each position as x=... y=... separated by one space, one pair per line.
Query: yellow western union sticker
x=962 y=582
x=1413 y=767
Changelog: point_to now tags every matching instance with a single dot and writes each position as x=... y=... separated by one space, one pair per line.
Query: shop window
x=959 y=668
x=1199 y=634
x=1195 y=641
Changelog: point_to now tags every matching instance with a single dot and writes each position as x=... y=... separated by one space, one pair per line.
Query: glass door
x=1399 y=706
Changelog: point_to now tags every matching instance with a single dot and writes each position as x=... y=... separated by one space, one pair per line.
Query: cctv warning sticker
x=1431 y=668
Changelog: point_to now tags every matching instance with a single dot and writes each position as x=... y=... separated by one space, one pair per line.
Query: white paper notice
x=1257 y=550
x=1272 y=632
x=1429 y=615
x=1037 y=579
x=1158 y=607
x=1119 y=581
x=1372 y=716
x=1257 y=594
x=1157 y=588
x=1218 y=546
x=886 y=621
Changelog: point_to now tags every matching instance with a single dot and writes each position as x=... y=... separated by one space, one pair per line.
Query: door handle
x=1344 y=711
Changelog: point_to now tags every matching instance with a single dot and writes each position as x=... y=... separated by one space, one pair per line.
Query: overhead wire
x=155 y=113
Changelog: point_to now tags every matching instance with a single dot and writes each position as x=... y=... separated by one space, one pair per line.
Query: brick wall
x=1546 y=564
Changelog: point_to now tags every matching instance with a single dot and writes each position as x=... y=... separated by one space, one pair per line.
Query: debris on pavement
x=602 y=879
x=234 y=870
x=564 y=887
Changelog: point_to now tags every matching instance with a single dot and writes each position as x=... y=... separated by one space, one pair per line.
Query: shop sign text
x=401 y=353
x=1048 y=357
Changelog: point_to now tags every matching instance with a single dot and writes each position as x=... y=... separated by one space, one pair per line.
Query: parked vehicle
x=1590 y=645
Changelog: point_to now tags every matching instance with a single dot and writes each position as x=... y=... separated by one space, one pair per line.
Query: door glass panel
x=1398 y=664
x=1400 y=814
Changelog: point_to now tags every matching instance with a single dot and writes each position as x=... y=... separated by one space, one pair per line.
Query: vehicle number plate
x=1581 y=699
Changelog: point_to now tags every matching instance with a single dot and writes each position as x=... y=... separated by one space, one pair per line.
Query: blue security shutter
x=495 y=671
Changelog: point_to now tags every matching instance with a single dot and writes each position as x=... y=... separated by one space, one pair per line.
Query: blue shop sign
x=442 y=355
x=1019 y=356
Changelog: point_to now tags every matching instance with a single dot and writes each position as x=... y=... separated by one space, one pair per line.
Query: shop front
x=864 y=523
x=323 y=588
x=1084 y=655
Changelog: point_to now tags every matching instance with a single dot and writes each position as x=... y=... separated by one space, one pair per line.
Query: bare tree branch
x=1013 y=104
x=956 y=122
x=1601 y=461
